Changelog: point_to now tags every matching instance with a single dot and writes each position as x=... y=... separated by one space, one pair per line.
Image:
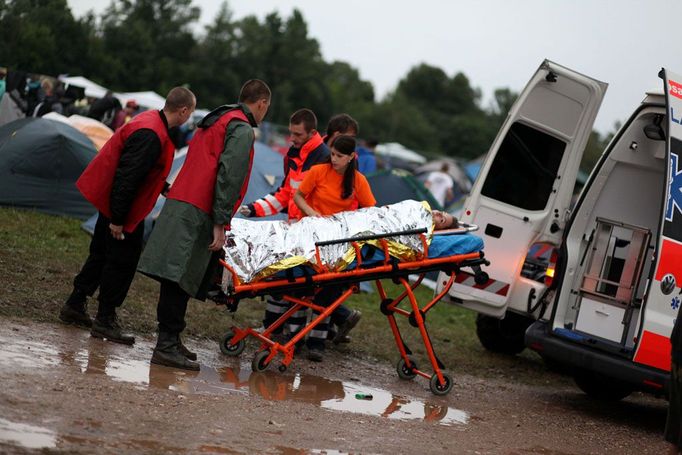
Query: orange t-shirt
x=322 y=188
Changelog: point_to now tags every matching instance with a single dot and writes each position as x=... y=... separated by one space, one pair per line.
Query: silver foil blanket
x=258 y=249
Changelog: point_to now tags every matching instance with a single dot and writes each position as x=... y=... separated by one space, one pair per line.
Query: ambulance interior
x=612 y=239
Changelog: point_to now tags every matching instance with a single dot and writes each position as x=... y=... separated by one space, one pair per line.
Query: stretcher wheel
x=405 y=372
x=282 y=368
x=229 y=349
x=437 y=388
x=258 y=362
x=481 y=277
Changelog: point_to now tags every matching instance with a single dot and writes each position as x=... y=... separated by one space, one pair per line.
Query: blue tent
x=266 y=175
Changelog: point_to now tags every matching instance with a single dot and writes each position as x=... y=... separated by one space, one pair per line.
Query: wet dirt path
x=65 y=392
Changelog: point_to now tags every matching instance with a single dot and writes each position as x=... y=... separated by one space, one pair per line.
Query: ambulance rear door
x=524 y=188
x=664 y=294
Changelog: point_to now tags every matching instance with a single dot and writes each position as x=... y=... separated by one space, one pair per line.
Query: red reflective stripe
x=654 y=351
x=503 y=288
x=671 y=261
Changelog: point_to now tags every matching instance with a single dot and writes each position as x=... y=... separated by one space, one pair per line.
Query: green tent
x=40 y=161
x=398 y=185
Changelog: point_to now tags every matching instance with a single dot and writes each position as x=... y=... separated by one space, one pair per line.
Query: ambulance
x=609 y=298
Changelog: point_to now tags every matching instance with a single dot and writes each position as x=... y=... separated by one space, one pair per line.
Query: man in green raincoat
x=183 y=250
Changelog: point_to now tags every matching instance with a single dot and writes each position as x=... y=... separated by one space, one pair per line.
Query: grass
x=41 y=254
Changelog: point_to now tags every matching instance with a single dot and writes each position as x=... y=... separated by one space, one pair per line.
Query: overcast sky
x=496 y=43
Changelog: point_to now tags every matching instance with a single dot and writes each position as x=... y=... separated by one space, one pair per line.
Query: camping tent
x=92 y=89
x=149 y=100
x=266 y=175
x=398 y=185
x=40 y=161
x=95 y=130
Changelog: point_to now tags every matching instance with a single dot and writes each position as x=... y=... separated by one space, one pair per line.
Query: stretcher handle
x=372 y=237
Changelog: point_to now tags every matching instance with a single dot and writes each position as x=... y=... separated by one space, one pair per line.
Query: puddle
x=131 y=364
x=28 y=436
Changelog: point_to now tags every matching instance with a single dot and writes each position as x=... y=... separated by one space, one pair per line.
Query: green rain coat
x=177 y=249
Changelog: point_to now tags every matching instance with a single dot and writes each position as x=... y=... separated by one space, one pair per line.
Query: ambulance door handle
x=603 y=313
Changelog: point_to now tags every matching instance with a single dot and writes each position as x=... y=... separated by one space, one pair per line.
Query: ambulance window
x=525 y=168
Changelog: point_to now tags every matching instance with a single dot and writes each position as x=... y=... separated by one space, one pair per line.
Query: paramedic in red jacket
x=182 y=252
x=123 y=182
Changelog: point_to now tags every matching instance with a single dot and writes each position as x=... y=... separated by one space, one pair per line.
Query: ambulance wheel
x=229 y=349
x=504 y=336
x=601 y=387
x=405 y=372
x=258 y=363
x=441 y=389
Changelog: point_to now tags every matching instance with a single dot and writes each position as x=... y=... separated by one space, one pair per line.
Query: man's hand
x=218 y=237
x=116 y=231
x=244 y=210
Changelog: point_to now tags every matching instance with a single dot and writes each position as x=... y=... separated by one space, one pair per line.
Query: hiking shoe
x=75 y=316
x=184 y=351
x=346 y=327
x=315 y=355
x=108 y=328
x=167 y=353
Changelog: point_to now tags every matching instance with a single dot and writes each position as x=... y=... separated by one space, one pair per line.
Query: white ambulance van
x=607 y=306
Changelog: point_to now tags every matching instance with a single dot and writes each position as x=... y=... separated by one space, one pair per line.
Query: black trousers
x=110 y=266
x=172 y=306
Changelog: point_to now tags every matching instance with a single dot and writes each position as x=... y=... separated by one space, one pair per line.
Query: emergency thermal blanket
x=258 y=249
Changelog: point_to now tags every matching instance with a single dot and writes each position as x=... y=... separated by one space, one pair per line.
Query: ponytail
x=346 y=145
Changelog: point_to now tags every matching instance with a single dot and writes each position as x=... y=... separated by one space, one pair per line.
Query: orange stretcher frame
x=233 y=342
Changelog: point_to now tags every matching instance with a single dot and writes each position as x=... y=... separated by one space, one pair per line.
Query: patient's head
x=443 y=220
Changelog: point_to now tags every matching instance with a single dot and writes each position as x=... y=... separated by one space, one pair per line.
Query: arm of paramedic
x=304 y=189
x=273 y=203
x=233 y=166
x=364 y=192
x=299 y=199
x=140 y=152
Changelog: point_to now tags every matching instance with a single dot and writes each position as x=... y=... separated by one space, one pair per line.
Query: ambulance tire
x=601 y=387
x=503 y=336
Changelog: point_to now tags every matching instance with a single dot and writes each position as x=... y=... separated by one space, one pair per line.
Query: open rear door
x=663 y=299
x=523 y=191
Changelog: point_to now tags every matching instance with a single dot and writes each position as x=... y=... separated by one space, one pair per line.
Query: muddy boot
x=347 y=326
x=167 y=353
x=107 y=327
x=74 y=310
x=184 y=351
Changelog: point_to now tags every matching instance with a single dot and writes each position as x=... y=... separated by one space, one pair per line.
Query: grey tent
x=398 y=185
x=40 y=161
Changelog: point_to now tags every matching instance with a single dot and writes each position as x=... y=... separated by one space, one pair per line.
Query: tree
x=41 y=36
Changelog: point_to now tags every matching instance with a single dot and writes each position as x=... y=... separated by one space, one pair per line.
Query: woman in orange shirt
x=335 y=186
x=330 y=188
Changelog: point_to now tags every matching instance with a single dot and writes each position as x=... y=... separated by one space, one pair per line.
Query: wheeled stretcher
x=371 y=263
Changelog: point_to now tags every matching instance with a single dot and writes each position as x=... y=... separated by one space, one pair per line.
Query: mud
x=65 y=392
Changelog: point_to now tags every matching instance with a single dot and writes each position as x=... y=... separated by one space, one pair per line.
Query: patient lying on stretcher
x=259 y=249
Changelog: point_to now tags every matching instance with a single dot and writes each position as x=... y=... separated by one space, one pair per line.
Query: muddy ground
x=65 y=392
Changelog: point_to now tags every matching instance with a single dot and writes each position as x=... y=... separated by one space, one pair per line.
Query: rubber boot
x=167 y=353
x=106 y=326
x=184 y=351
x=74 y=310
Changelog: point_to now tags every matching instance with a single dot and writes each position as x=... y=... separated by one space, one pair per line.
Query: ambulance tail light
x=551 y=268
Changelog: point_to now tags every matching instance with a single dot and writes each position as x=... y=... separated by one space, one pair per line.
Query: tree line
x=153 y=45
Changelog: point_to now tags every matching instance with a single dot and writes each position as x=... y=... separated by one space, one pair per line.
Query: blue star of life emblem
x=675 y=303
x=674 y=189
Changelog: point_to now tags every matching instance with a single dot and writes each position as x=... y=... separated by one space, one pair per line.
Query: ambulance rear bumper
x=575 y=356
